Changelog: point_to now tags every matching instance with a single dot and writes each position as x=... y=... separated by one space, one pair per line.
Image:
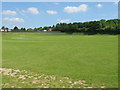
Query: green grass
x=91 y=58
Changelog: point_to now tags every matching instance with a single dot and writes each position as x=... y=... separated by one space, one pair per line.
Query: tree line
x=29 y=29
x=92 y=27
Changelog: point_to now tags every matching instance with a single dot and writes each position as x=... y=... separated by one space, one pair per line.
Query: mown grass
x=92 y=58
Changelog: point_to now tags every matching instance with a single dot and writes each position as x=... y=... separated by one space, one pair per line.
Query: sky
x=60 y=0
x=39 y=14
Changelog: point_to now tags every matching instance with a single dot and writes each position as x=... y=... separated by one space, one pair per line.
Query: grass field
x=93 y=58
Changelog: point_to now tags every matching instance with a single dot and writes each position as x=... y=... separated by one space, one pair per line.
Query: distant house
x=44 y=30
x=5 y=30
x=49 y=29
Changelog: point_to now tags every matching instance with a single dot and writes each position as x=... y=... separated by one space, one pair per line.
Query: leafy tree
x=40 y=28
x=23 y=29
x=45 y=28
x=15 y=28
x=3 y=27
x=29 y=29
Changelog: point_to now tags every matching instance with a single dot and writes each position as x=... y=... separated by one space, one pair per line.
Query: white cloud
x=9 y=12
x=51 y=12
x=116 y=3
x=33 y=10
x=99 y=5
x=63 y=20
x=20 y=11
x=56 y=3
x=73 y=9
x=14 y=19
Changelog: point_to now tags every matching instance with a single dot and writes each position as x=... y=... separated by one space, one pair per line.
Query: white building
x=5 y=30
x=44 y=30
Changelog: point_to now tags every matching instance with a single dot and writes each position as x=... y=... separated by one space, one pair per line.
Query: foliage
x=4 y=28
x=23 y=29
x=92 y=27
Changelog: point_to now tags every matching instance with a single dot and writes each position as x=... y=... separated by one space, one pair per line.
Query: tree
x=45 y=28
x=40 y=28
x=29 y=29
x=23 y=29
x=15 y=28
x=3 y=27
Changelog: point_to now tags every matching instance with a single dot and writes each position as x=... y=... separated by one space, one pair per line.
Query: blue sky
x=37 y=14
